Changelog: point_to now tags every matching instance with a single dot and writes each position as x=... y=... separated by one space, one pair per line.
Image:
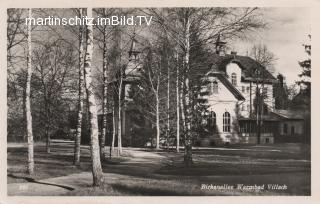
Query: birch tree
x=168 y=104
x=155 y=84
x=119 y=149
x=113 y=129
x=105 y=91
x=118 y=88
x=94 y=144
x=188 y=144
x=80 y=96
x=177 y=103
x=151 y=88
x=27 y=103
x=104 y=36
x=182 y=24
x=17 y=51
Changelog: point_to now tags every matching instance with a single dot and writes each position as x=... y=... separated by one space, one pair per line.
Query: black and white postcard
x=192 y=101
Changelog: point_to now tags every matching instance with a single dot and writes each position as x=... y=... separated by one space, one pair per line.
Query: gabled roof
x=247 y=65
x=217 y=63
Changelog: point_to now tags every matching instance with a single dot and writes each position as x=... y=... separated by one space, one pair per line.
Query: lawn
x=149 y=172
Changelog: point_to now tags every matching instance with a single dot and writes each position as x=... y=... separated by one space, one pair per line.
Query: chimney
x=233 y=53
x=281 y=79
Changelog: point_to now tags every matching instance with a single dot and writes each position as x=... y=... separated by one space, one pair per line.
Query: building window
x=285 y=128
x=248 y=107
x=292 y=130
x=226 y=122
x=214 y=87
x=243 y=89
x=212 y=119
x=248 y=89
x=267 y=140
x=245 y=127
x=234 y=79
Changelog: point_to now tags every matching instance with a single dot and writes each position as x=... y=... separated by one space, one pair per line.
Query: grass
x=46 y=165
x=144 y=172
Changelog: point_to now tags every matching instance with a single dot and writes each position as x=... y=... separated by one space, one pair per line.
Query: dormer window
x=234 y=79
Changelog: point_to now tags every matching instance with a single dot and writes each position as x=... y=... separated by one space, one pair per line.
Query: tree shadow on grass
x=31 y=180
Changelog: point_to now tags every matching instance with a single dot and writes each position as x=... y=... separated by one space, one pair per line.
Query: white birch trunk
x=28 y=104
x=178 y=107
x=77 y=140
x=183 y=116
x=47 y=125
x=156 y=93
x=105 y=94
x=113 y=129
x=119 y=46
x=119 y=149
x=188 y=142
x=157 y=118
x=168 y=106
x=95 y=153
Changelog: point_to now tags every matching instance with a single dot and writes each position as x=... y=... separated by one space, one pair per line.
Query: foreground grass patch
x=161 y=173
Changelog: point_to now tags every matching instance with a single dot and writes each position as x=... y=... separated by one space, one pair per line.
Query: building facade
x=241 y=104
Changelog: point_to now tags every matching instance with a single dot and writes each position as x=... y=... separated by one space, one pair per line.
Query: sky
x=286 y=31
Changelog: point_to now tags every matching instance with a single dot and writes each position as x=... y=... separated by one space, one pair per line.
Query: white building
x=230 y=86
